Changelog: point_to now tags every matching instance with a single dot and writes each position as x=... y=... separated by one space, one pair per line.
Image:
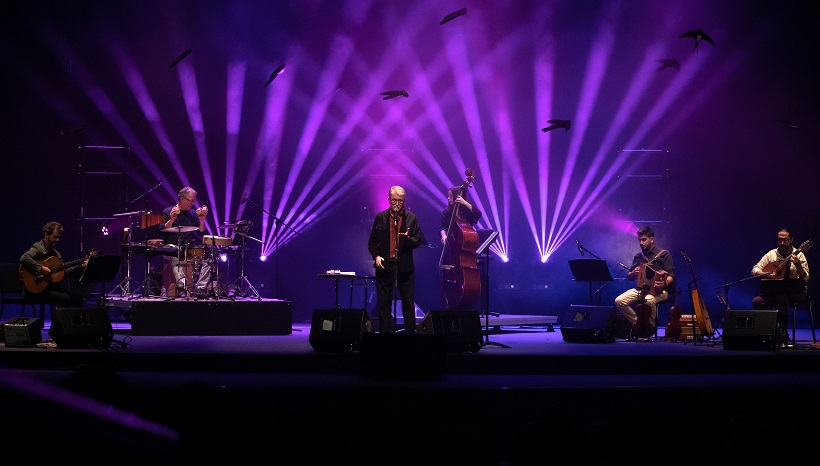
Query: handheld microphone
x=580 y=248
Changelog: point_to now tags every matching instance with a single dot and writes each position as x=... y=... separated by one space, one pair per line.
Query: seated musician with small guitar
x=783 y=262
x=654 y=270
x=42 y=270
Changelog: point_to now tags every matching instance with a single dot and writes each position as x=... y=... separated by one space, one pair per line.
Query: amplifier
x=23 y=332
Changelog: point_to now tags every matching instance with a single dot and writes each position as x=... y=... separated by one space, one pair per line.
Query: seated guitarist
x=55 y=292
x=659 y=260
x=772 y=266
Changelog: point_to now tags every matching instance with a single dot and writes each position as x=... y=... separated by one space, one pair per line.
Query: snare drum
x=195 y=253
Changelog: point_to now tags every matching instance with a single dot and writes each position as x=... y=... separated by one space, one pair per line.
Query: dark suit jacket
x=379 y=242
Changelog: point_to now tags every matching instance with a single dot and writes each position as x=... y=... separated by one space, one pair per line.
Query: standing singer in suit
x=394 y=236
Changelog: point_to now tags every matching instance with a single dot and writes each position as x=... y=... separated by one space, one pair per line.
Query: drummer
x=177 y=217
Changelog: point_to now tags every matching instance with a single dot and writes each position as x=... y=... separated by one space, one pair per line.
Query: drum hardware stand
x=276 y=244
x=242 y=284
x=148 y=281
x=124 y=287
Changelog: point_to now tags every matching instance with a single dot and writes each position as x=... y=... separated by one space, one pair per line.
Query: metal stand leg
x=242 y=284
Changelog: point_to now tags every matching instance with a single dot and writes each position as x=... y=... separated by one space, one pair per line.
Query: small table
x=346 y=276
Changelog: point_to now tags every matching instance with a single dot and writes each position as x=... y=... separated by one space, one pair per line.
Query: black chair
x=806 y=304
x=11 y=290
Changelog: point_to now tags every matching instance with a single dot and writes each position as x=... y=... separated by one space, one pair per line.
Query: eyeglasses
x=190 y=200
x=397 y=201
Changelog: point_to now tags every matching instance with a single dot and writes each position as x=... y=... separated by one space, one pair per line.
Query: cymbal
x=132 y=214
x=179 y=229
x=238 y=223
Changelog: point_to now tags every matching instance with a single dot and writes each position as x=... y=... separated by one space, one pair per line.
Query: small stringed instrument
x=777 y=269
x=36 y=283
x=701 y=314
x=673 y=328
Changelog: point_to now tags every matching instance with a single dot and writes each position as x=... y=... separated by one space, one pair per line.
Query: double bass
x=459 y=272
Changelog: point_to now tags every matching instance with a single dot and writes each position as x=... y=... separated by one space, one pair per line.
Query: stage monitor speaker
x=589 y=324
x=462 y=329
x=81 y=327
x=750 y=330
x=23 y=332
x=338 y=330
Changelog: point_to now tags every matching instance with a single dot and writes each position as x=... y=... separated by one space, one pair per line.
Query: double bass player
x=461 y=280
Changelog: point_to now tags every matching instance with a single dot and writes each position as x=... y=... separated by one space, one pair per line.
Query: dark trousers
x=781 y=303
x=384 y=292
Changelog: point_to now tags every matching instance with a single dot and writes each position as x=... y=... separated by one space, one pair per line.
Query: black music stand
x=489 y=237
x=101 y=269
x=590 y=270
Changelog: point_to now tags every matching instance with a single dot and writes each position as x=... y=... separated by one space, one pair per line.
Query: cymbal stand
x=242 y=284
x=146 y=286
x=148 y=281
x=124 y=287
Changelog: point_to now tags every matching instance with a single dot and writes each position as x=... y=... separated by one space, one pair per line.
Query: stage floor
x=524 y=395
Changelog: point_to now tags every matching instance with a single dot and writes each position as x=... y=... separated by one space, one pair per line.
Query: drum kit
x=187 y=254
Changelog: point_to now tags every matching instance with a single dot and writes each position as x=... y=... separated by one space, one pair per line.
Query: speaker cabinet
x=23 y=332
x=750 y=330
x=589 y=324
x=338 y=330
x=462 y=329
x=81 y=327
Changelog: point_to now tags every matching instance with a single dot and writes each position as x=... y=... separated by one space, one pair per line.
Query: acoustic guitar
x=36 y=283
x=777 y=269
x=701 y=314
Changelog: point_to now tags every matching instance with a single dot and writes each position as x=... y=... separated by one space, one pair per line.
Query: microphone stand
x=276 y=238
x=146 y=284
x=726 y=286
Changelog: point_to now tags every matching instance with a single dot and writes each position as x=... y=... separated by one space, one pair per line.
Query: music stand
x=101 y=269
x=590 y=270
x=787 y=286
x=489 y=237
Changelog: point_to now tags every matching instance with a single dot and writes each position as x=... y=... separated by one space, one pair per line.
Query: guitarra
x=36 y=283
x=777 y=269
x=701 y=314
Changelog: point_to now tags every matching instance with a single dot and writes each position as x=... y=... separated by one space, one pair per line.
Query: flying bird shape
x=698 y=35
x=393 y=94
x=454 y=15
x=180 y=58
x=555 y=124
x=275 y=73
x=668 y=63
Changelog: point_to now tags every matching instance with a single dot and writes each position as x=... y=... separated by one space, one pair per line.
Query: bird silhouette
x=698 y=35
x=454 y=15
x=554 y=124
x=275 y=73
x=393 y=94
x=668 y=63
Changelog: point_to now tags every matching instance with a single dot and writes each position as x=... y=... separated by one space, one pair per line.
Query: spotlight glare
x=263 y=258
x=223 y=257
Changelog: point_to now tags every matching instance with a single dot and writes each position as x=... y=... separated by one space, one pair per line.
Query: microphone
x=580 y=248
x=244 y=199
